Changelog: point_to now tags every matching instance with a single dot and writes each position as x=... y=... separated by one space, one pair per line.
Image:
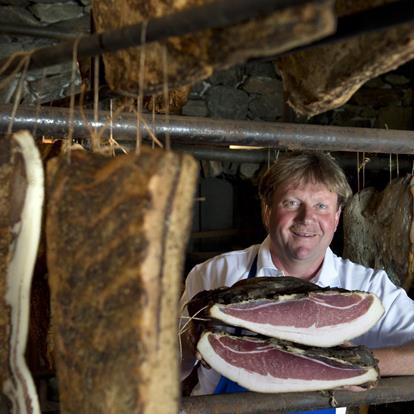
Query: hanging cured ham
x=379 y=230
x=197 y=55
x=326 y=77
x=21 y=202
x=116 y=231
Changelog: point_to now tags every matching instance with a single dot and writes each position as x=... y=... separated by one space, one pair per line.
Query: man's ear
x=266 y=210
x=337 y=217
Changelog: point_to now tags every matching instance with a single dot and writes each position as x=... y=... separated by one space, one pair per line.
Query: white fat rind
x=326 y=336
x=267 y=383
x=19 y=277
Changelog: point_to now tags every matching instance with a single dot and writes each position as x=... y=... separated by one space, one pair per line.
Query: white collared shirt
x=395 y=327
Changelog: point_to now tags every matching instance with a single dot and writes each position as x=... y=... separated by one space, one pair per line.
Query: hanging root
x=166 y=96
x=95 y=143
x=196 y=319
x=187 y=326
x=24 y=61
x=150 y=132
x=72 y=94
x=141 y=84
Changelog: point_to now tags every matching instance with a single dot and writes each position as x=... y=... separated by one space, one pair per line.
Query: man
x=302 y=197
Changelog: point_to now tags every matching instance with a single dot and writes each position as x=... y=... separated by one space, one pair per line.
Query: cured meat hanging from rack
x=197 y=55
x=270 y=366
x=21 y=202
x=116 y=231
x=325 y=77
x=291 y=309
x=379 y=230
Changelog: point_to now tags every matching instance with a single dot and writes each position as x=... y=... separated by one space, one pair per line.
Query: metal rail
x=378 y=163
x=394 y=389
x=213 y=132
x=36 y=32
x=217 y=14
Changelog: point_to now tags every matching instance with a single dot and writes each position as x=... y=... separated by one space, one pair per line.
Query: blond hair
x=302 y=168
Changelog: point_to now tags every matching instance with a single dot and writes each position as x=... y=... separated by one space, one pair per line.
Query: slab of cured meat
x=379 y=229
x=197 y=55
x=270 y=365
x=116 y=233
x=325 y=77
x=291 y=309
x=21 y=202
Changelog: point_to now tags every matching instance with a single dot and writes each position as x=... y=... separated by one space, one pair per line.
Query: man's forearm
x=396 y=360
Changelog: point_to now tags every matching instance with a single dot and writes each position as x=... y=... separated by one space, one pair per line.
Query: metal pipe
x=366 y=21
x=388 y=390
x=373 y=20
x=214 y=132
x=258 y=156
x=220 y=13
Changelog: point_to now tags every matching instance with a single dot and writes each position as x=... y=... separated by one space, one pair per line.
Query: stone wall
x=63 y=16
x=383 y=102
x=255 y=92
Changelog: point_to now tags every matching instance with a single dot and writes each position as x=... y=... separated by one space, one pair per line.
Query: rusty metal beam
x=214 y=132
x=220 y=13
x=378 y=162
x=371 y=20
x=33 y=31
x=395 y=389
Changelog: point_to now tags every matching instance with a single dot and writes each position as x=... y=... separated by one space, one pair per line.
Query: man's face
x=301 y=222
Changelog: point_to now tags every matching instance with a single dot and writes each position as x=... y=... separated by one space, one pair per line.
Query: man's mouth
x=306 y=234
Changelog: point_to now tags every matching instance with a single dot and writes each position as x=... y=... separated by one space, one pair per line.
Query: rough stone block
x=395 y=117
x=55 y=12
x=195 y=108
x=226 y=102
x=263 y=86
x=266 y=107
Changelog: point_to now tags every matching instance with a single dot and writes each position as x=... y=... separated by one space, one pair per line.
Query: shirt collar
x=328 y=272
x=266 y=267
x=265 y=263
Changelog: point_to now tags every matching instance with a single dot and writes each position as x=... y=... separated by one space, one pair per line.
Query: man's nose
x=305 y=213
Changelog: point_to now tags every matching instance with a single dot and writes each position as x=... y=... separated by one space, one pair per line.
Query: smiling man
x=301 y=221
x=301 y=207
x=302 y=197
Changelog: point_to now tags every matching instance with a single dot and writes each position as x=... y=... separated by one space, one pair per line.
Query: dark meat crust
x=252 y=289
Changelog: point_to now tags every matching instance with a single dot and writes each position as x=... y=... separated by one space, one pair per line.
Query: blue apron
x=227 y=386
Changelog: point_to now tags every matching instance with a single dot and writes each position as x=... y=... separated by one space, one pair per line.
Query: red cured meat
x=318 y=309
x=262 y=357
x=269 y=365
x=291 y=309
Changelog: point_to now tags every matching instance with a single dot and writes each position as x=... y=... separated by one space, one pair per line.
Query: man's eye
x=291 y=203
x=322 y=206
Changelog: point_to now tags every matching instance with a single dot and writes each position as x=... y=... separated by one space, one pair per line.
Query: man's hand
x=202 y=361
x=353 y=388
